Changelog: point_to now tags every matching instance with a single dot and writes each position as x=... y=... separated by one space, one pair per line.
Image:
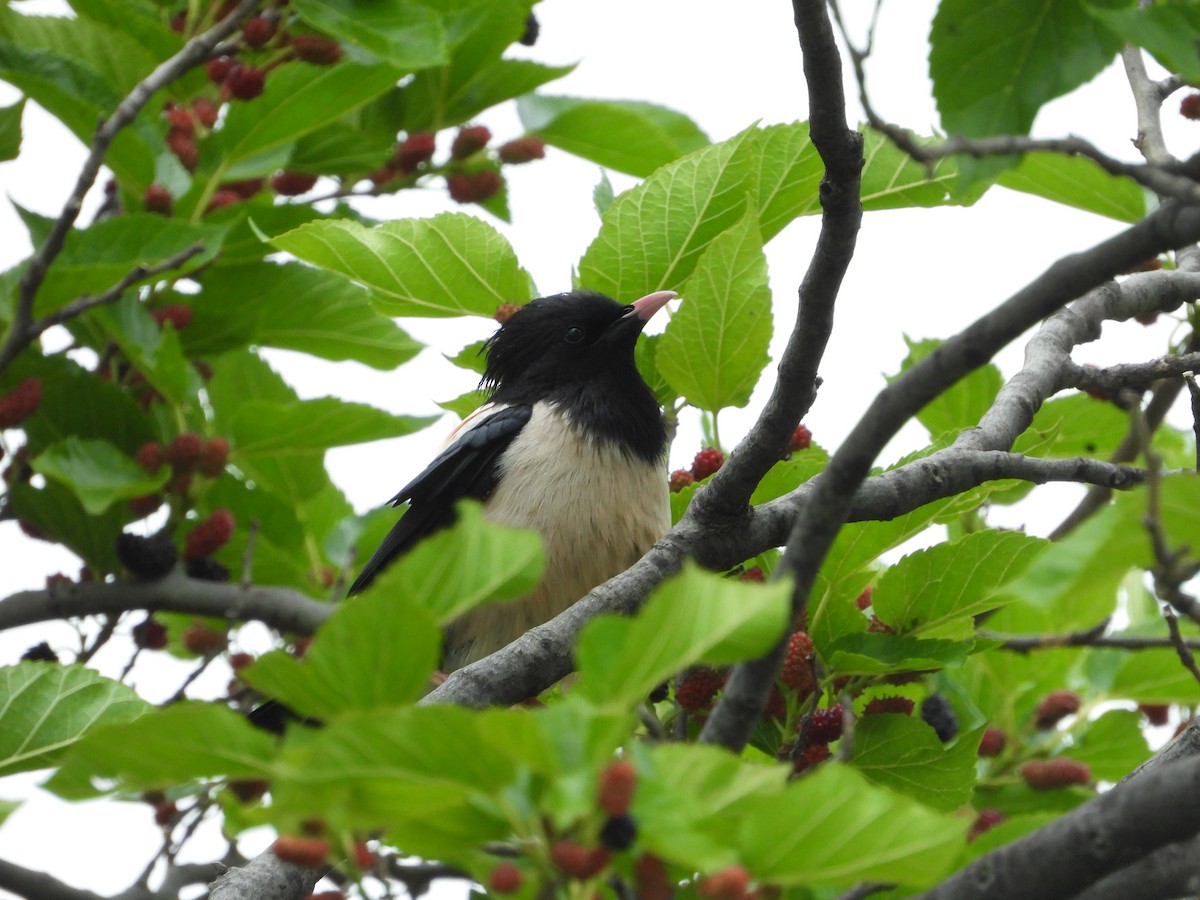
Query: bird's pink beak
x=652 y=303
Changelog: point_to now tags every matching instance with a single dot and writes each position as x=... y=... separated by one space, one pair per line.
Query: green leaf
x=96 y=258
x=506 y=564
x=715 y=347
x=602 y=193
x=79 y=70
x=787 y=177
x=904 y=754
x=96 y=472
x=450 y=265
x=297 y=100
x=139 y=19
x=881 y=836
x=407 y=36
x=157 y=354
x=687 y=796
x=359 y=660
x=1112 y=745
x=787 y=475
x=629 y=136
x=265 y=428
x=891 y=179
x=403 y=769
x=937 y=591
x=45 y=708
x=54 y=510
x=10 y=130
x=653 y=235
x=1155 y=676
x=78 y=403
x=294 y=308
x=692 y=618
x=993 y=69
x=964 y=403
x=7 y=808
x=1167 y=30
x=1078 y=182
x=882 y=654
x=360 y=141
x=1077 y=425
x=171 y=745
x=464 y=404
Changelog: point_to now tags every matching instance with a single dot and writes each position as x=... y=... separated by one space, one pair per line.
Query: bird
x=571 y=443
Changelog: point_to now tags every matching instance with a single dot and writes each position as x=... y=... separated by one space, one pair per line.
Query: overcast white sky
x=925 y=273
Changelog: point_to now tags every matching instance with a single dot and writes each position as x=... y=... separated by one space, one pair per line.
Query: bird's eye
x=574 y=335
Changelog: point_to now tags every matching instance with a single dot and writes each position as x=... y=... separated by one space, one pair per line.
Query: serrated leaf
x=602 y=194
x=904 y=754
x=1078 y=182
x=464 y=404
x=155 y=352
x=450 y=265
x=506 y=564
x=10 y=130
x=629 y=136
x=404 y=770
x=295 y=101
x=96 y=472
x=882 y=654
x=715 y=347
x=45 y=708
x=178 y=743
x=692 y=618
x=937 y=591
x=654 y=234
x=271 y=429
x=881 y=835
x=891 y=179
x=787 y=475
x=359 y=660
x=993 y=69
x=1168 y=31
x=294 y=308
x=407 y=36
x=471 y=357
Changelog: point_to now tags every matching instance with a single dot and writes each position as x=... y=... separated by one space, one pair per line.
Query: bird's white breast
x=597 y=508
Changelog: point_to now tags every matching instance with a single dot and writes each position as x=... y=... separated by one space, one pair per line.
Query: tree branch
x=1101 y=836
x=192 y=54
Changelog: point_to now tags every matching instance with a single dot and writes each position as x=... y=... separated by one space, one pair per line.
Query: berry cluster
x=210 y=535
x=187 y=454
x=1055 y=707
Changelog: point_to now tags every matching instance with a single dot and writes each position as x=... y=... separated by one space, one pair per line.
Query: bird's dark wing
x=466 y=468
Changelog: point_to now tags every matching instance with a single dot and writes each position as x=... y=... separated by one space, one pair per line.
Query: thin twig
x=1179 y=642
x=1030 y=643
x=1189 y=379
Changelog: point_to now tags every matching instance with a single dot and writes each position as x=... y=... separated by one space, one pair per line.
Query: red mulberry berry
x=522 y=150
x=800 y=440
x=615 y=790
x=505 y=878
x=706 y=462
x=753 y=574
x=680 y=479
x=158 y=199
x=651 y=878
x=292 y=184
x=316 y=50
x=825 y=725
x=987 y=818
x=1049 y=774
x=198 y=638
x=473 y=187
x=184 y=451
x=889 y=705
x=184 y=149
x=414 y=150
x=505 y=311
x=797 y=671
x=1055 y=707
x=728 y=884
x=213 y=456
x=992 y=743
x=697 y=690
x=150 y=634
x=178 y=314
x=1189 y=106
x=470 y=140
x=210 y=535
x=309 y=852
x=1156 y=713
x=20 y=403
x=219 y=69
x=256 y=31
x=863 y=600
x=814 y=755
x=205 y=111
x=577 y=861
x=246 y=83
